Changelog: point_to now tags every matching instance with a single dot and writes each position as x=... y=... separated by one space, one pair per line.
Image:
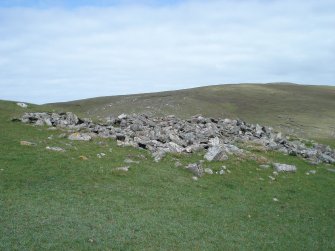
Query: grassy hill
x=60 y=201
x=308 y=111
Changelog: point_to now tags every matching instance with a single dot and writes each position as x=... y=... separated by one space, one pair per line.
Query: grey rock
x=80 y=136
x=264 y=166
x=208 y=171
x=55 y=148
x=216 y=153
x=196 y=169
x=284 y=167
x=23 y=105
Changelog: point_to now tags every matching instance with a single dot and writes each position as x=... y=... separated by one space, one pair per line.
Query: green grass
x=55 y=201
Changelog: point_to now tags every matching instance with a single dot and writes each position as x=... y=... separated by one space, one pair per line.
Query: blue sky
x=64 y=50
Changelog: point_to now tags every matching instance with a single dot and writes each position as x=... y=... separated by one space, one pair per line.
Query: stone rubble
x=217 y=137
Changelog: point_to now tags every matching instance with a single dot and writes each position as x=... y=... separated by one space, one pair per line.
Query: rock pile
x=171 y=134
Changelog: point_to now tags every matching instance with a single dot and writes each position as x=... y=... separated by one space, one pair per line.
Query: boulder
x=196 y=169
x=216 y=153
x=284 y=167
x=23 y=105
x=80 y=136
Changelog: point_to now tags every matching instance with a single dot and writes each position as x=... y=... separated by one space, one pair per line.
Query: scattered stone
x=331 y=170
x=208 y=171
x=275 y=199
x=272 y=178
x=264 y=166
x=80 y=136
x=178 y=164
x=275 y=173
x=123 y=168
x=196 y=169
x=26 y=143
x=55 y=148
x=82 y=157
x=195 y=178
x=100 y=155
x=129 y=161
x=284 y=167
x=312 y=171
x=169 y=134
x=221 y=172
x=23 y=105
x=216 y=153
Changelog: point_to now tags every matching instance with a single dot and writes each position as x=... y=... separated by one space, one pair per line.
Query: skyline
x=52 y=51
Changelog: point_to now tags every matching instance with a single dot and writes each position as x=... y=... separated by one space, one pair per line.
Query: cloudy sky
x=70 y=49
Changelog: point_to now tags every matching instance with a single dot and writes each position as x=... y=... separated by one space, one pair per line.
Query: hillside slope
x=308 y=111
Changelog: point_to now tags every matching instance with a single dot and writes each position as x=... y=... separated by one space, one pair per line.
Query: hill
x=307 y=111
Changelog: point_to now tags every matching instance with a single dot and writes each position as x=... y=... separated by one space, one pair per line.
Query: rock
x=275 y=199
x=284 y=167
x=264 y=166
x=327 y=159
x=55 y=148
x=122 y=116
x=331 y=170
x=215 y=153
x=196 y=169
x=171 y=134
x=312 y=171
x=26 y=143
x=129 y=161
x=221 y=172
x=82 y=157
x=208 y=171
x=123 y=168
x=158 y=155
x=23 y=105
x=272 y=178
x=177 y=164
x=100 y=155
x=80 y=136
x=195 y=178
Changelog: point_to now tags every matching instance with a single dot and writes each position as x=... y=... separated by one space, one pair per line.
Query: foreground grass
x=56 y=201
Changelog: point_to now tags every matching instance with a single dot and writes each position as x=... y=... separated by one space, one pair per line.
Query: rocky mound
x=218 y=137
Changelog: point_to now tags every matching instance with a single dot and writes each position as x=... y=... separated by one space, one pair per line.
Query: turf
x=56 y=201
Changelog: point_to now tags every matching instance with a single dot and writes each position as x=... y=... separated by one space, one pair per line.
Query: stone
x=129 y=161
x=23 y=105
x=221 y=172
x=55 y=148
x=284 y=167
x=196 y=169
x=122 y=116
x=171 y=134
x=26 y=143
x=264 y=166
x=122 y=168
x=82 y=157
x=80 y=136
x=195 y=178
x=331 y=170
x=215 y=153
x=208 y=171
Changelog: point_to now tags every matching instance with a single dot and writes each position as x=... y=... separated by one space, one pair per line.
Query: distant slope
x=304 y=110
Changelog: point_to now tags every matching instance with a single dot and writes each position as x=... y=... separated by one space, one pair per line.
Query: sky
x=61 y=50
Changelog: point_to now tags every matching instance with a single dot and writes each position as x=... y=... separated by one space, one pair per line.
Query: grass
x=56 y=201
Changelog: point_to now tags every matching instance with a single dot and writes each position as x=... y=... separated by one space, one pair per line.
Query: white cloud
x=49 y=55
